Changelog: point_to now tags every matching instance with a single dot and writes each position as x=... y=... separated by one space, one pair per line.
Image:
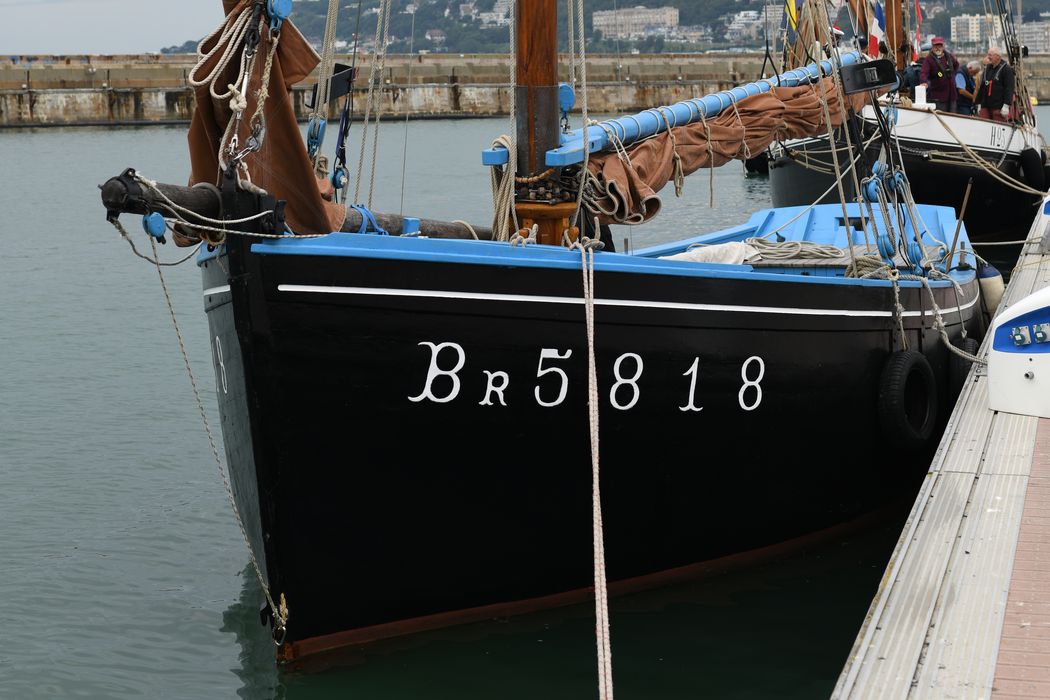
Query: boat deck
x=963 y=609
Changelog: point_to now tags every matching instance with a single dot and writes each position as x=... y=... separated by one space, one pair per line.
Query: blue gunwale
x=821 y=224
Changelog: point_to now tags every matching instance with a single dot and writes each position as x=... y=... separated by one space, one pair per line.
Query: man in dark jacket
x=938 y=75
x=995 y=95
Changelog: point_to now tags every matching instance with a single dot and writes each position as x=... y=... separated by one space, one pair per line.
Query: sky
x=102 y=26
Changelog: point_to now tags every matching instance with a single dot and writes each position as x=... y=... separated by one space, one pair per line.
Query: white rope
x=232 y=34
x=326 y=67
x=601 y=594
x=503 y=194
x=790 y=250
x=603 y=637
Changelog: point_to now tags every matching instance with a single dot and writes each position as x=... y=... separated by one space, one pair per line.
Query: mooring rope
x=603 y=637
x=279 y=611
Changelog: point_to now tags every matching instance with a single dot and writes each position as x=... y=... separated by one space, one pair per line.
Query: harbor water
x=122 y=571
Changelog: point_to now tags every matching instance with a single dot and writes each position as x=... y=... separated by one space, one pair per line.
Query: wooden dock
x=963 y=609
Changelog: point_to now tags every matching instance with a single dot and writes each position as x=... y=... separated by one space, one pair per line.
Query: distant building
x=744 y=26
x=975 y=32
x=1035 y=35
x=467 y=10
x=498 y=17
x=635 y=22
x=435 y=35
x=692 y=33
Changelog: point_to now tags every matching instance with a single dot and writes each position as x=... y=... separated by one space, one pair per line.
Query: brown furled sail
x=282 y=166
x=626 y=188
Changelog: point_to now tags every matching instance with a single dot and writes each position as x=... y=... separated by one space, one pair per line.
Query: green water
x=122 y=574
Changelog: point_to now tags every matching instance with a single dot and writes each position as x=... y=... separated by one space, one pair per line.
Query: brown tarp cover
x=282 y=167
x=626 y=191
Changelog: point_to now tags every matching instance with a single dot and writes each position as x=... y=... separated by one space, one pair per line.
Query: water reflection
x=257 y=672
x=777 y=628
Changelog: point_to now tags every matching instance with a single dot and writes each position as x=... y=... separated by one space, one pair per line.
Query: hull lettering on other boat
x=998 y=137
x=624 y=394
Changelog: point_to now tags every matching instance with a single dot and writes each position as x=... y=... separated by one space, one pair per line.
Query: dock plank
x=972 y=601
x=963 y=610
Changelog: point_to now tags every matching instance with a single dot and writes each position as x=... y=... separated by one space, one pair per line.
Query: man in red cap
x=938 y=75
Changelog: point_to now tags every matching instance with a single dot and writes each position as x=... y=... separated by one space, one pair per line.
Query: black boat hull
x=937 y=171
x=379 y=486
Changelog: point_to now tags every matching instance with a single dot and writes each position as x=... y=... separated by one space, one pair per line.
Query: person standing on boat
x=938 y=75
x=995 y=96
x=966 y=85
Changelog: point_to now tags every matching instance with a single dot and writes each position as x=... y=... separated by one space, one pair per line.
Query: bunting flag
x=791 y=13
x=790 y=20
x=876 y=26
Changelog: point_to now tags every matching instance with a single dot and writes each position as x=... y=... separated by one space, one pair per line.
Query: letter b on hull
x=435 y=371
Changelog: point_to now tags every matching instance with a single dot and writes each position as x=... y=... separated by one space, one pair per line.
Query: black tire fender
x=959 y=367
x=907 y=401
x=1032 y=167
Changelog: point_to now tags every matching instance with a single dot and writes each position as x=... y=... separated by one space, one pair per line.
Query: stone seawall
x=117 y=90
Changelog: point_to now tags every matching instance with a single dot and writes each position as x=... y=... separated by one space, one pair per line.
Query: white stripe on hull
x=537 y=299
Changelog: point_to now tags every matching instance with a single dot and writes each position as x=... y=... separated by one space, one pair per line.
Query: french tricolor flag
x=876 y=26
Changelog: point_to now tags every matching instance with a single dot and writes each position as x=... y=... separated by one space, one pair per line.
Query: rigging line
x=798 y=216
x=369 y=102
x=279 y=612
x=836 y=66
x=582 y=48
x=319 y=114
x=570 y=34
x=408 y=80
x=348 y=105
x=379 y=102
x=619 y=57
x=981 y=163
x=327 y=65
x=834 y=151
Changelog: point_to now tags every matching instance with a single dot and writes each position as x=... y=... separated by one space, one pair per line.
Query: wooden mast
x=895 y=42
x=537 y=199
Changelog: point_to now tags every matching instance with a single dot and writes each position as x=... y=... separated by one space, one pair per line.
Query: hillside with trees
x=457 y=26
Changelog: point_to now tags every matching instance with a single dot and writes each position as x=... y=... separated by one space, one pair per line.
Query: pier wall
x=79 y=90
